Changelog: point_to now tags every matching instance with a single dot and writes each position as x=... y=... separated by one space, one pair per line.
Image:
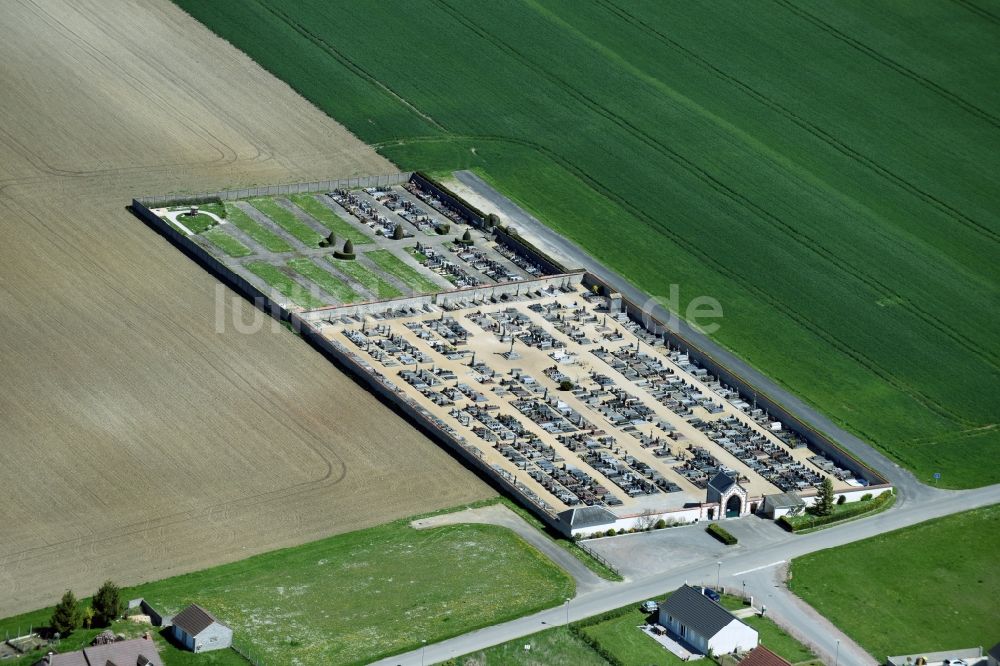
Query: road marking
x=772 y=564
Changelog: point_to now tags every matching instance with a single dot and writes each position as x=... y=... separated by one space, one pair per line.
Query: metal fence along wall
x=358 y=182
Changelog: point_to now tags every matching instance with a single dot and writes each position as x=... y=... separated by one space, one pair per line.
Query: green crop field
x=395 y=266
x=227 y=243
x=330 y=284
x=285 y=285
x=369 y=280
x=267 y=238
x=825 y=170
x=922 y=584
x=341 y=600
x=329 y=219
x=287 y=220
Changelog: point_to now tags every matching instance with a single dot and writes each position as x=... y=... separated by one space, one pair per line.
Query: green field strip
x=227 y=243
x=286 y=219
x=329 y=219
x=368 y=279
x=285 y=285
x=327 y=282
x=396 y=267
x=265 y=237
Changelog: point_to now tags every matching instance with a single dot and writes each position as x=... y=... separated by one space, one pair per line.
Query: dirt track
x=136 y=442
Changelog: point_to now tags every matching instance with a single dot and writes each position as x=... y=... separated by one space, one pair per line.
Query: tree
x=492 y=220
x=107 y=604
x=88 y=616
x=397 y=233
x=467 y=236
x=348 y=247
x=66 y=616
x=824 y=499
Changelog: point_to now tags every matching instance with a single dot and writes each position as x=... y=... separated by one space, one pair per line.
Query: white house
x=704 y=624
x=197 y=630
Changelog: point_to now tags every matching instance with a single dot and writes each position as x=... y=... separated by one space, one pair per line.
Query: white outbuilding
x=705 y=625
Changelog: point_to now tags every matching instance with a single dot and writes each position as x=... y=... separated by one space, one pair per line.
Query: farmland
x=340 y=600
x=934 y=579
x=140 y=440
x=839 y=205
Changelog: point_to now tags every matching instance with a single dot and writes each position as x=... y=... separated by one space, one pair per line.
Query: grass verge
x=287 y=220
x=366 y=278
x=395 y=266
x=330 y=284
x=285 y=285
x=264 y=237
x=938 y=578
x=329 y=219
x=227 y=243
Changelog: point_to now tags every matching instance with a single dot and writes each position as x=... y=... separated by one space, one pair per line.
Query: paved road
x=736 y=567
x=572 y=255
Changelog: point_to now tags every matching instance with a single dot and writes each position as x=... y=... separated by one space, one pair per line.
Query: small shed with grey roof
x=198 y=630
x=705 y=625
x=783 y=504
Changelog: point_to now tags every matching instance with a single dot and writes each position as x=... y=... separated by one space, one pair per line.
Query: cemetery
x=554 y=391
x=572 y=398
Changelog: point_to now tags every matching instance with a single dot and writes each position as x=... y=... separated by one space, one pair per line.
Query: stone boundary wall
x=359 y=182
x=483 y=292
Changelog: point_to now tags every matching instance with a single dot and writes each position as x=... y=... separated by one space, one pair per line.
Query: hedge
x=842 y=512
x=722 y=535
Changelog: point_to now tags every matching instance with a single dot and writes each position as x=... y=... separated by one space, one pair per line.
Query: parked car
x=650 y=606
x=711 y=594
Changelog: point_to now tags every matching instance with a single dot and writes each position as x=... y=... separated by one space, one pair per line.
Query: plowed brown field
x=136 y=441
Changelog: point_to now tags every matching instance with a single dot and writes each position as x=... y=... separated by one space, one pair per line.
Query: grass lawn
x=934 y=581
x=330 y=284
x=371 y=281
x=198 y=224
x=329 y=219
x=342 y=600
x=265 y=237
x=620 y=637
x=778 y=641
x=553 y=647
x=285 y=285
x=287 y=220
x=395 y=266
x=781 y=162
x=227 y=243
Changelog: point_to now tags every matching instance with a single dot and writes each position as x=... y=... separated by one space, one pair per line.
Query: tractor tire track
x=788 y=230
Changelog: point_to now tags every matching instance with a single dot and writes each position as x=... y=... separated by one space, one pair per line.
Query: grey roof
x=784 y=500
x=587 y=516
x=722 y=482
x=136 y=652
x=994 y=652
x=697 y=612
x=194 y=619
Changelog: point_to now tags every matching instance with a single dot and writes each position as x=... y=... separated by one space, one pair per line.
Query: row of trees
x=106 y=605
